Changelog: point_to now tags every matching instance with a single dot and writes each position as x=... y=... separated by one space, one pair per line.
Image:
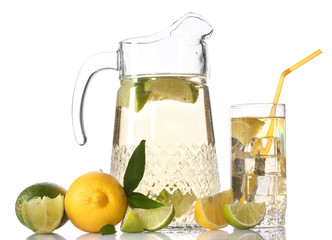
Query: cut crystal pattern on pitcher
x=174 y=175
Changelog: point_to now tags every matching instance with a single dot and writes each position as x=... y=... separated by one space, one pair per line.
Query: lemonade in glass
x=259 y=158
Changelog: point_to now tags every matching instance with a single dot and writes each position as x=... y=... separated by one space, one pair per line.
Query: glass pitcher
x=163 y=98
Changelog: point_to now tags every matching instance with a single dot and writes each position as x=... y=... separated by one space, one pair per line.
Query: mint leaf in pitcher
x=133 y=176
x=135 y=168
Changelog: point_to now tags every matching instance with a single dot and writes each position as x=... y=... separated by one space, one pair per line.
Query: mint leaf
x=135 y=168
x=133 y=175
x=107 y=229
x=138 y=200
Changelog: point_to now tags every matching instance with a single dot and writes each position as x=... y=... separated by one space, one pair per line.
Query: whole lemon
x=95 y=199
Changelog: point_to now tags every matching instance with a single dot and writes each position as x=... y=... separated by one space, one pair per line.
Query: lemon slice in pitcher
x=173 y=88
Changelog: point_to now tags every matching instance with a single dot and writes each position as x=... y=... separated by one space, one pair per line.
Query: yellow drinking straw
x=258 y=145
x=291 y=69
x=265 y=150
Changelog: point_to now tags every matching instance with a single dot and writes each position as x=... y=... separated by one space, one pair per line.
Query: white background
x=44 y=43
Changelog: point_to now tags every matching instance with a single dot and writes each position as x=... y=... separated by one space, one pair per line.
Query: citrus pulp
x=244 y=215
x=40 y=190
x=209 y=210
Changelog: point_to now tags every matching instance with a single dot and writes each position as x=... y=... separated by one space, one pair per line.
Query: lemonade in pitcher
x=163 y=99
x=172 y=114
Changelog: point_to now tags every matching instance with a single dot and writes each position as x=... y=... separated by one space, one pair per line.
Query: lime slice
x=43 y=215
x=130 y=223
x=155 y=219
x=244 y=129
x=172 y=88
x=244 y=234
x=244 y=215
x=142 y=96
x=182 y=203
x=130 y=90
x=123 y=96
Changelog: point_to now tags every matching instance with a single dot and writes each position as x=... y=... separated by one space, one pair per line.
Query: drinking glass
x=259 y=158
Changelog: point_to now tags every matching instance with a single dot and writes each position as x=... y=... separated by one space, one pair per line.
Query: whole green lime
x=41 y=190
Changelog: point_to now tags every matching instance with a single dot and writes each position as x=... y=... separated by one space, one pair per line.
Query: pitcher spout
x=191 y=27
x=178 y=49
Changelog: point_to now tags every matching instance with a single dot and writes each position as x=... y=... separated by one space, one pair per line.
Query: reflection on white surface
x=229 y=234
x=245 y=235
x=96 y=236
x=125 y=236
x=272 y=233
x=45 y=237
x=213 y=235
x=144 y=236
x=259 y=234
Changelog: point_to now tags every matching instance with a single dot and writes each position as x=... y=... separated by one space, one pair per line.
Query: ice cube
x=262 y=185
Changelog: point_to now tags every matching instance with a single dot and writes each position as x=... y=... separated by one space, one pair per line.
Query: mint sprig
x=107 y=229
x=133 y=176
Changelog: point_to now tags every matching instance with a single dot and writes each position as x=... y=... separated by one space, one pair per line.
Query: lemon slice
x=43 y=215
x=244 y=129
x=130 y=223
x=156 y=218
x=209 y=211
x=244 y=215
x=172 y=88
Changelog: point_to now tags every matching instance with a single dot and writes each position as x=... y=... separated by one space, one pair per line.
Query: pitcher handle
x=97 y=62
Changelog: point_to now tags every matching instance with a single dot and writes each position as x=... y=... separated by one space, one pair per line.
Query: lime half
x=43 y=215
x=244 y=215
x=40 y=190
x=130 y=223
x=155 y=219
